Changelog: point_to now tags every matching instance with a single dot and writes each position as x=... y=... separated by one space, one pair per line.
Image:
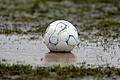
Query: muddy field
x=22 y=26
x=30 y=49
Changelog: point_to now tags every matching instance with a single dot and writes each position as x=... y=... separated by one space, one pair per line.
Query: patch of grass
x=104 y=25
x=24 y=19
x=8 y=31
x=109 y=25
x=20 y=69
x=96 y=1
x=39 y=29
x=61 y=72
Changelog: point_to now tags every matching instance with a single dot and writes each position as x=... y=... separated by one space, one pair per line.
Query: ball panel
x=63 y=36
x=53 y=39
x=70 y=47
x=62 y=46
x=52 y=47
x=50 y=30
x=71 y=40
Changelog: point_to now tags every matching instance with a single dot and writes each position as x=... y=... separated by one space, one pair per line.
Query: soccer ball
x=61 y=36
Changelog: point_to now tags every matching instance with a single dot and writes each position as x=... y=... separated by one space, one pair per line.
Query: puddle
x=30 y=49
x=59 y=58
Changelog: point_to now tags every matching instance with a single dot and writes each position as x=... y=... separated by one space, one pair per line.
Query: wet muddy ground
x=23 y=23
x=30 y=49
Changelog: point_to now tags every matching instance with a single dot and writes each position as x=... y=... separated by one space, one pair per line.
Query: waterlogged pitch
x=61 y=35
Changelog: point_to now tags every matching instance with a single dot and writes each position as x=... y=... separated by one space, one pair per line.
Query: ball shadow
x=53 y=58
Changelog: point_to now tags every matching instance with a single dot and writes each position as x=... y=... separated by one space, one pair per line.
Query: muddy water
x=30 y=49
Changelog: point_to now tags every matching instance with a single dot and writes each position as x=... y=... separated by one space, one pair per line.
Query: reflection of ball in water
x=61 y=36
x=62 y=59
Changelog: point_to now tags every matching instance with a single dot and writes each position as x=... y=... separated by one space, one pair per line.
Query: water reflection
x=52 y=58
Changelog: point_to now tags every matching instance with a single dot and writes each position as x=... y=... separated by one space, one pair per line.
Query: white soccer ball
x=61 y=36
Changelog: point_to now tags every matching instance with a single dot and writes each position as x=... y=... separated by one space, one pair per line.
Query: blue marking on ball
x=62 y=35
